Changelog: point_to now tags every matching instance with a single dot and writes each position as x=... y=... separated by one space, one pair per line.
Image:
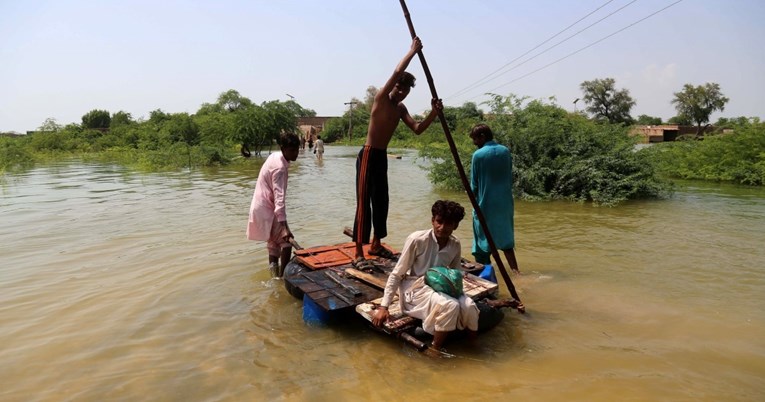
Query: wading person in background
x=319 y=148
x=491 y=179
x=268 y=214
x=372 y=163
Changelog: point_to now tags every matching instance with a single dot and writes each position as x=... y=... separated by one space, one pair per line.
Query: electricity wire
x=581 y=49
x=487 y=78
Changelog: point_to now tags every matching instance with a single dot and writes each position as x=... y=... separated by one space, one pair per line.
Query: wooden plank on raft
x=331 y=295
x=376 y=281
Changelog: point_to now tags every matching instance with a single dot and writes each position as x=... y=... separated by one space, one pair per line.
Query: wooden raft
x=327 y=284
x=473 y=286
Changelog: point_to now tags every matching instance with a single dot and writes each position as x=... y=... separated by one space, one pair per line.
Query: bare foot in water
x=512 y=303
x=433 y=352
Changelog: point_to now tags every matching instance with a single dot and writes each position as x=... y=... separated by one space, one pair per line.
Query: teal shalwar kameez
x=491 y=179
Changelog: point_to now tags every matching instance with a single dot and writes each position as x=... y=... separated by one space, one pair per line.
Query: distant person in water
x=268 y=214
x=491 y=179
x=319 y=148
x=372 y=163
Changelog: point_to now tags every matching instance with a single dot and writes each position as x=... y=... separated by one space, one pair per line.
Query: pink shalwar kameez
x=268 y=210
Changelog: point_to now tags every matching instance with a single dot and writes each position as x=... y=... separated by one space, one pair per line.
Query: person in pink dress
x=268 y=214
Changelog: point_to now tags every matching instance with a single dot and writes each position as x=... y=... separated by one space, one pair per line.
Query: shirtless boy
x=372 y=163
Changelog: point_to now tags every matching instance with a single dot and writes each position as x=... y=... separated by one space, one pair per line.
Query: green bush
x=13 y=155
x=738 y=157
x=557 y=155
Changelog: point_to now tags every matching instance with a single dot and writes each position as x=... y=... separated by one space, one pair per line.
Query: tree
x=182 y=128
x=679 y=120
x=157 y=116
x=299 y=111
x=96 y=119
x=696 y=104
x=49 y=126
x=724 y=122
x=232 y=101
x=121 y=118
x=468 y=110
x=605 y=102
x=369 y=98
x=248 y=124
x=280 y=118
x=647 y=120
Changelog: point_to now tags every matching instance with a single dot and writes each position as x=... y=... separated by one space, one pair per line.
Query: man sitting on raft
x=440 y=313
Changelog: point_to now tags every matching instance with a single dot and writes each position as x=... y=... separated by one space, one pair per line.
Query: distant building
x=312 y=126
x=317 y=121
x=663 y=132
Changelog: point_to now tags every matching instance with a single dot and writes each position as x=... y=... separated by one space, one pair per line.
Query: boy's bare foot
x=501 y=303
x=433 y=352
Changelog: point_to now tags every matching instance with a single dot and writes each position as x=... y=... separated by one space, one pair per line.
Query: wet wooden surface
x=331 y=295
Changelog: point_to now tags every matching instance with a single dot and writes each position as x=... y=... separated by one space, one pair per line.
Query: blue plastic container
x=488 y=273
x=313 y=314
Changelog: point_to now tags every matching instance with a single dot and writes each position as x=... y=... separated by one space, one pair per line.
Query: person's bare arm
x=401 y=67
x=419 y=127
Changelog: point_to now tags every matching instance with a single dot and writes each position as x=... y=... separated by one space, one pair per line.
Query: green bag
x=445 y=280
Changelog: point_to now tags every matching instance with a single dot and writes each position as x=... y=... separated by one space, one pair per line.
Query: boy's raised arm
x=401 y=67
x=419 y=127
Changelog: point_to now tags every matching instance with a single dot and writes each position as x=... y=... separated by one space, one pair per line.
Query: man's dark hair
x=449 y=211
x=289 y=140
x=406 y=79
x=482 y=129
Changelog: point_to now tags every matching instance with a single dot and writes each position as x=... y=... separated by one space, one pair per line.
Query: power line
x=584 y=48
x=483 y=80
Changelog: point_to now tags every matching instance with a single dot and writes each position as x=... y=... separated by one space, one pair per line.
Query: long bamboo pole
x=461 y=169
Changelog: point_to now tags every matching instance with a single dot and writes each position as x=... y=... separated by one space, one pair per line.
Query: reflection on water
x=121 y=285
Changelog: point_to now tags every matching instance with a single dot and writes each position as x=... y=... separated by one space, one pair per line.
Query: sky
x=61 y=59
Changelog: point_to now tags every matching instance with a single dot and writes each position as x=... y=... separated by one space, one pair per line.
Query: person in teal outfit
x=491 y=179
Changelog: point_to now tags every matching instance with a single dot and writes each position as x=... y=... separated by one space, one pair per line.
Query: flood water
x=117 y=285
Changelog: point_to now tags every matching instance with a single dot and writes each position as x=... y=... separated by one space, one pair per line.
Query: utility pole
x=350 y=121
x=575 y=101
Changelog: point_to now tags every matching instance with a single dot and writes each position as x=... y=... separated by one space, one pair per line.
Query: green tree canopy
x=121 y=118
x=96 y=119
x=232 y=101
x=468 y=110
x=181 y=128
x=157 y=116
x=605 y=102
x=647 y=120
x=299 y=111
x=697 y=104
x=49 y=126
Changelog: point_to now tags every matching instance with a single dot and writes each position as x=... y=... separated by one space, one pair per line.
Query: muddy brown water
x=121 y=285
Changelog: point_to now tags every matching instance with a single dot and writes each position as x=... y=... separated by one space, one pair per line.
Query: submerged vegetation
x=556 y=154
x=215 y=135
x=738 y=157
